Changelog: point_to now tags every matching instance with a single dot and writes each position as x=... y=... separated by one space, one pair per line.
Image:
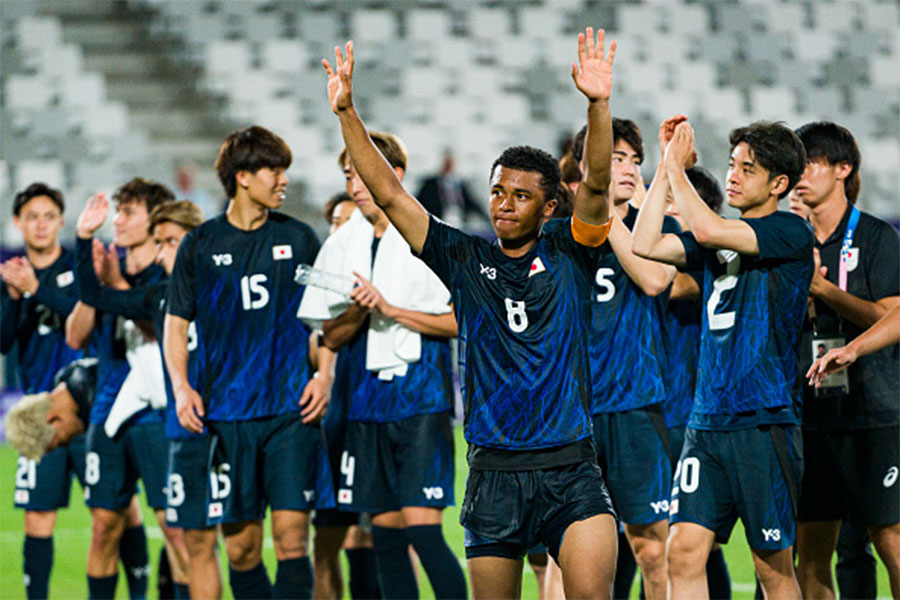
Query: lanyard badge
x=846 y=249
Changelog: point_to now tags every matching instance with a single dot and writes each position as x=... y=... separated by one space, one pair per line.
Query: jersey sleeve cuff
x=589 y=235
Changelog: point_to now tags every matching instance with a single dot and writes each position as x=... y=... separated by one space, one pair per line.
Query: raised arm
x=404 y=211
x=593 y=78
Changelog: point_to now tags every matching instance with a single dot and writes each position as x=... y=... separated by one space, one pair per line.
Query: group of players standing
x=619 y=365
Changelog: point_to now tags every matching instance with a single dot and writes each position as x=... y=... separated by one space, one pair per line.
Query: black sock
x=293 y=579
x=250 y=584
x=439 y=562
x=164 y=582
x=182 y=592
x=102 y=588
x=363 y=574
x=38 y=555
x=395 y=572
x=133 y=554
x=717 y=576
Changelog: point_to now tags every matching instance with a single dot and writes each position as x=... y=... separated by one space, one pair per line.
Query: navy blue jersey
x=753 y=310
x=627 y=330
x=682 y=346
x=238 y=286
x=523 y=325
x=108 y=342
x=38 y=325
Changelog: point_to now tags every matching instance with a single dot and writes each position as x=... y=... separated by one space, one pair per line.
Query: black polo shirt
x=874 y=398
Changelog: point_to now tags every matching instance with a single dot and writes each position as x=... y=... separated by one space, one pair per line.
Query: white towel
x=403 y=280
x=144 y=385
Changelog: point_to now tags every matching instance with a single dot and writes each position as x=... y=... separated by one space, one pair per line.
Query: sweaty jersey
x=627 y=330
x=682 y=347
x=753 y=309
x=80 y=377
x=38 y=325
x=238 y=286
x=523 y=324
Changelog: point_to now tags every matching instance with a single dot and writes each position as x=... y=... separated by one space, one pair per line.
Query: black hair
x=33 y=191
x=775 y=147
x=824 y=140
x=707 y=187
x=331 y=204
x=250 y=149
x=526 y=158
x=623 y=129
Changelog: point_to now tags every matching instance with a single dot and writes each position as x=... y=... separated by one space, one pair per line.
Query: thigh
x=587 y=557
x=701 y=489
x=765 y=487
x=424 y=460
x=148 y=450
x=367 y=470
x=639 y=475
x=188 y=486
x=110 y=483
x=296 y=474
x=495 y=577
x=44 y=485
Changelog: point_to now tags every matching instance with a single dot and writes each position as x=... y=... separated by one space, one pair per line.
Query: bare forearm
x=862 y=313
x=325 y=358
x=885 y=332
x=438 y=325
x=590 y=201
x=80 y=325
x=647 y=230
x=377 y=173
x=337 y=332
x=651 y=276
x=175 y=350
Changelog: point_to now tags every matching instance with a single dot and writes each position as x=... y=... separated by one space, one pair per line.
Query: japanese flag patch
x=537 y=266
x=64 y=279
x=282 y=252
x=345 y=496
x=215 y=509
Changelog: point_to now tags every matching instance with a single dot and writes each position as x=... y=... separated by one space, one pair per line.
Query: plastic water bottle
x=333 y=282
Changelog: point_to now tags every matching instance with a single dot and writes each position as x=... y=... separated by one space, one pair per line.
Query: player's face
x=132 y=224
x=817 y=183
x=341 y=214
x=748 y=183
x=40 y=221
x=266 y=186
x=626 y=166
x=517 y=206
x=796 y=205
x=357 y=190
x=168 y=236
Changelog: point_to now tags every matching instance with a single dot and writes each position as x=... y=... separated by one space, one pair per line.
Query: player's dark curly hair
x=526 y=158
x=707 y=187
x=250 y=149
x=775 y=147
x=151 y=193
x=33 y=191
x=828 y=141
x=623 y=129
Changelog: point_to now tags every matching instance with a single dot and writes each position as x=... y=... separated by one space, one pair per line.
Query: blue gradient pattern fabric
x=682 y=343
x=627 y=331
x=523 y=325
x=238 y=286
x=753 y=310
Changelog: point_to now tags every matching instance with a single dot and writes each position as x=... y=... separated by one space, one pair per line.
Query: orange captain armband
x=589 y=235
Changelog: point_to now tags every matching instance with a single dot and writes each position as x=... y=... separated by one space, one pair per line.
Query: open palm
x=593 y=73
x=340 y=79
x=93 y=215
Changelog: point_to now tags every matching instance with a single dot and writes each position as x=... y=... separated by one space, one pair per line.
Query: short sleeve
x=881 y=260
x=693 y=252
x=444 y=249
x=782 y=235
x=670 y=225
x=181 y=293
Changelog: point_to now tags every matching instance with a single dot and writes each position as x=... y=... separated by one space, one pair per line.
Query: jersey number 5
x=723 y=283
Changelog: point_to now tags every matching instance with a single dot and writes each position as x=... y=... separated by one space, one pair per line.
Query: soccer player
x=234 y=277
x=850 y=425
x=523 y=310
x=628 y=366
x=741 y=450
x=395 y=368
x=187 y=488
x=113 y=464
x=37 y=295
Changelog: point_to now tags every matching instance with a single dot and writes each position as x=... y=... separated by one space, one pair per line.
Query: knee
x=243 y=554
x=683 y=558
x=40 y=523
x=290 y=542
x=106 y=529
x=200 y=544
x=650 y=555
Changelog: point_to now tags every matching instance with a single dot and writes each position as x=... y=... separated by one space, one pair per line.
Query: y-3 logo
x=433 y=493
x=489 y=272
x=772 y=535
x=660 y=507
x=222 y=259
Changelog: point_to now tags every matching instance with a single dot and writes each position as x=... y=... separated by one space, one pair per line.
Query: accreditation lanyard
x=845 y=248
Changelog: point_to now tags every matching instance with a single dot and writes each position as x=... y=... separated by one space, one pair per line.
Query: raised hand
x=19 y=275
x=680 y=151
x=667 y=130
x=93 y=216
x=593 y=73
x=340 y=79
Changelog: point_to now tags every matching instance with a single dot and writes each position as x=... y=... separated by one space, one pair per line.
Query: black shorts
x=851 y=475
x=506 y=513
x=751 y=474
x=113 y=465
x=676 y=443
x=45 y=485
x=388 y=466
x=192 y=485
x=274 y=461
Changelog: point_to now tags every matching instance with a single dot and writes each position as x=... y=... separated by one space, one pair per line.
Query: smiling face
x=168 y=236
x=517 y=206
x=748 y=182
x=40 y=221
x=132 y=224
x=626 y=166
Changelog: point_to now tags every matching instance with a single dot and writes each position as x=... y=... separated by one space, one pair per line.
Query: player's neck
x=827 y=215
x=141 y=256
x=761 y=210
x=517 y=248
x=381 y=224
x=41 y=258
x=245 y=214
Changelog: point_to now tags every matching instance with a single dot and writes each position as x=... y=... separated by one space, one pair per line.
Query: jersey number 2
x=723 y=283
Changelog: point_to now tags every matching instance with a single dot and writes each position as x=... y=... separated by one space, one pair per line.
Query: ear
x=549 y=207
x=243 y=178
x=400 y=172
x=778 y=185
x=842 y=171
x=17 y=222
